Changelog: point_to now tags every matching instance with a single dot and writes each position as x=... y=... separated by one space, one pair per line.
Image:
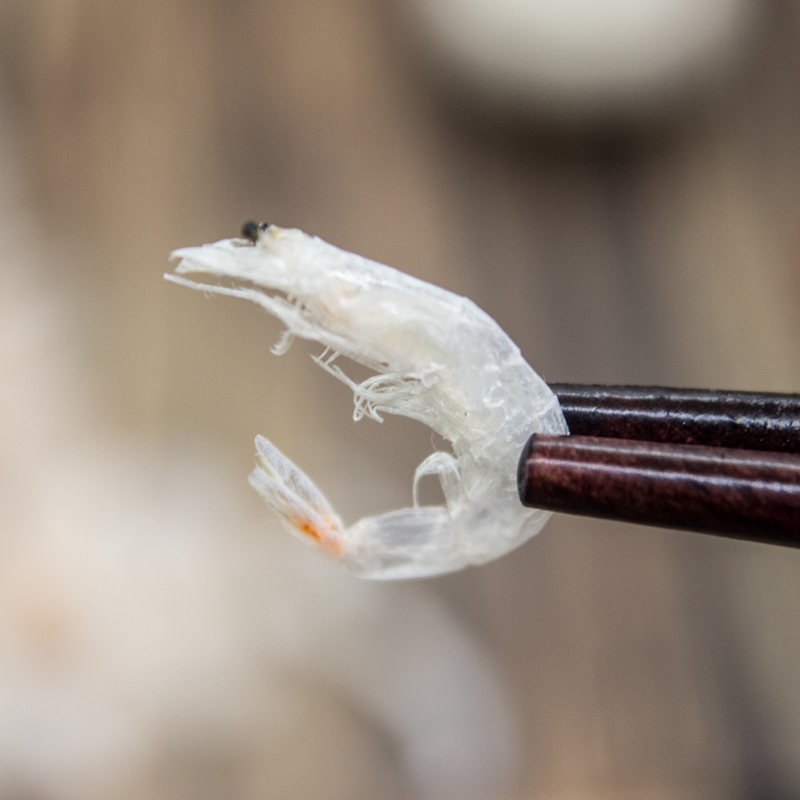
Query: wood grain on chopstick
x=739 y=494
x=741 y=420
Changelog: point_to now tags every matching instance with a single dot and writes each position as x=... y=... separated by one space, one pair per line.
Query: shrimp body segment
x=438 y=358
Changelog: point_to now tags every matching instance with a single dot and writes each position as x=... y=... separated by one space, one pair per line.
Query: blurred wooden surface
x=645 y=663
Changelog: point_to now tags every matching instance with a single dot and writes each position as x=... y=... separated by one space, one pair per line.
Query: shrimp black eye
x=250 y=231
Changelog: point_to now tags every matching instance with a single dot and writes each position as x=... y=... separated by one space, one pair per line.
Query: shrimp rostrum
x=437 y=358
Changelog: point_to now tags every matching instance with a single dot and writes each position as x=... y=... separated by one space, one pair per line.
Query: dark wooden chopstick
x=742 y=494
x=726 y=463
x=742 y=420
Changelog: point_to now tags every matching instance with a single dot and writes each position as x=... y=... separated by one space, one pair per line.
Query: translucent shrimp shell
x=438 y=358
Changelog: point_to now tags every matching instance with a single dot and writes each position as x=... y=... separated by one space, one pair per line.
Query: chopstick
x=742 y=420
x=651 y=460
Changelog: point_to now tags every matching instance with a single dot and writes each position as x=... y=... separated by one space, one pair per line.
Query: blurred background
x=616 y=182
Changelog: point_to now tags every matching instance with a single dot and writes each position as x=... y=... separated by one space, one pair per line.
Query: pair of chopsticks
x=726 y=463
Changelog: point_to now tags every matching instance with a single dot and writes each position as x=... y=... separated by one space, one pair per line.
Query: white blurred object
x=579 y=56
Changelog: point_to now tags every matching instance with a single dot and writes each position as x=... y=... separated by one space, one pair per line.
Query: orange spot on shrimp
x=321 y=538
